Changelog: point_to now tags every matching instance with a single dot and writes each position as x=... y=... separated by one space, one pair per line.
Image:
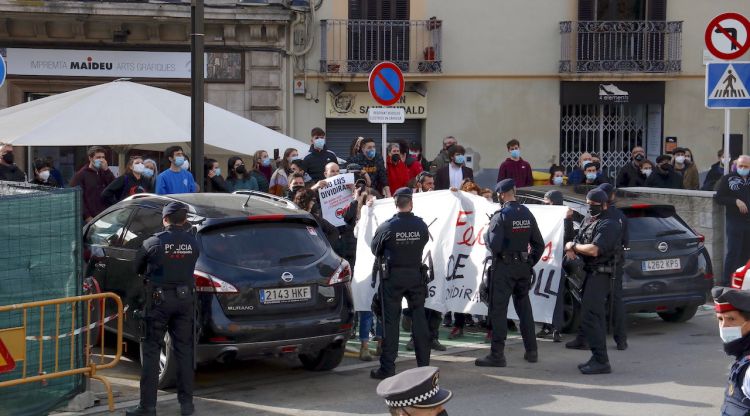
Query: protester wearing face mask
x=415 y=153
x=296 y=183
x=515 y=167
x=8 y=169
x=686 y=169
x=175 y=180
x=715 y=173
x=630 y=174
x=212 y=179
x=596 y=243
x=577 y=176
x=647 y=168
x=93 y=179
x=280 y=178
x=732 y=308
x=415 y=392
x=372 y=163
x=319 y=156
x=443 y=158
x=733 y=192
x=239 y=179
x=664 y=175
x=149 y=172
x=43 y=174
x=593 y=175
x=131 y=183
x=453 y=175
x=556 y=175
x=399 y=174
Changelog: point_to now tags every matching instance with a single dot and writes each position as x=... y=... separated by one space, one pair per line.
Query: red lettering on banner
x=548 y=248
x=460 y=222
x=469 y=239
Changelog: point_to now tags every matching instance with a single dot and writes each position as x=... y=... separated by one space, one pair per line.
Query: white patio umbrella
x=123 y=113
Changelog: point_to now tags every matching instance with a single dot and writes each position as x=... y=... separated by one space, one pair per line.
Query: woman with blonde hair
x=280 y=179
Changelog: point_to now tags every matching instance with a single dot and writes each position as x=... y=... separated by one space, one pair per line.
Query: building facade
x=562 y=76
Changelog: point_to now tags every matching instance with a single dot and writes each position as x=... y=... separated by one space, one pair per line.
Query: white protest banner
x=456 y=252
x=335 y=198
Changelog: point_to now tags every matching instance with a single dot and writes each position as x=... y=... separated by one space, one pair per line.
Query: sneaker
x=491 y=361
x=437 y=346
x=556 y=336
x=595 y=367
x=581 y=365
x=543 y=333
x=531 y=356
x=622 y=345
x=380 y=374
x=456 y=332
x=187 y=409
x=364 y=354
x=410 y=345
x=577 y=344
x=140 y=411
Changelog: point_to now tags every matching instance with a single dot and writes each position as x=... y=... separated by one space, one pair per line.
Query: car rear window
x=655 y=222
x=261 y=245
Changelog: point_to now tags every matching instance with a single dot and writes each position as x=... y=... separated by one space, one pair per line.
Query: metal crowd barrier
x=65 y=366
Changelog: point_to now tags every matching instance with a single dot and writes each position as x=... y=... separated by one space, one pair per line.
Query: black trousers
x=619 y=321
x=514 y=280
x=593 y=314
x=402 y=283
x=176 y=316
x=434 y=318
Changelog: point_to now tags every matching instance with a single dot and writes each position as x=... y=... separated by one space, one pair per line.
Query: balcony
x=621 y=46
x=354 y=47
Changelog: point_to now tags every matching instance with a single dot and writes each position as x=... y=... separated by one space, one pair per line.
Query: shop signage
x=93 y=63
x=356 y=104
x=611 y=92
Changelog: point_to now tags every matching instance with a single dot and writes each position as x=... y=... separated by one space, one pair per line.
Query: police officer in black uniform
x=516 y=244
x=167 y=260
x=733 y=313
x=597 y=242
x=400 y=241
x=619 y=321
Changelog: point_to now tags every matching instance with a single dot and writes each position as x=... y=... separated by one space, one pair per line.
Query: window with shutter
x=371 y=42
x=657 y=10
x=585 y=10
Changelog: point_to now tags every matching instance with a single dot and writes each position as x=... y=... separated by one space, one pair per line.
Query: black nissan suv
x=268 y=282
x=667 y=268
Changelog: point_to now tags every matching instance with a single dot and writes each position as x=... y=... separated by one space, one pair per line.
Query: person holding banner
x=400 y=242
x=596 y=243
x=516 y=244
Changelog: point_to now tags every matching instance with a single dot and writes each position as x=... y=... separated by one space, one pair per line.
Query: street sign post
x=3 y=71
x=727 y=36
x=386 y=85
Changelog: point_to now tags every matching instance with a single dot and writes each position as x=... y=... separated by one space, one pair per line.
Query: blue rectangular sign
x=726 y=85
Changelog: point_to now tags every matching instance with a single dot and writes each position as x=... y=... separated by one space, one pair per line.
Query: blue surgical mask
x=217 y=171
x=459 y=159
x=743 y=171
x=179 y=161
x=148 y=172
x=97 y=163
x=319 y=143
x=370 y=153
x=591 y=176
x=557 y=180
x=515 y=153
x=266 y=162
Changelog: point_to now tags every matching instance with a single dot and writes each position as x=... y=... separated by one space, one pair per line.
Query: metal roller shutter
x=341 y=133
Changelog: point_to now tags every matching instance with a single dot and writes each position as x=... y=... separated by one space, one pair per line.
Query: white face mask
x=44 y=175
x=185 y=165
x=680 y=159
x=646 y=172
x=731 y=333
x=139 y=167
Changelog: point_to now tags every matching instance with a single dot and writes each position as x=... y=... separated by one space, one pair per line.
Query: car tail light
x=342 y=275
x=205 y=282
x=701 y=240
x=640 y=206
x=219 y=340
x=661 y=309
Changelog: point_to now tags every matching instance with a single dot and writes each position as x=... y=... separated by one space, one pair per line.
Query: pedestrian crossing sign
x=727 y=85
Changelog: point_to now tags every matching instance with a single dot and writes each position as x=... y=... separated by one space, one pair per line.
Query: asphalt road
x=669 y=369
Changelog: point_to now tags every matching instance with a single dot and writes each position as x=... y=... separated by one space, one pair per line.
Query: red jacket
x=518 y=170
x=399 y=174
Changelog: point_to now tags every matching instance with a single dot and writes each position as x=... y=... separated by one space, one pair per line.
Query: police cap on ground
x=607 y=188
x=505 y=185
x=727 y=299
x=407 y=192
x=417 y=387
x=555 y=196
x=173 y=207
x=597 y=195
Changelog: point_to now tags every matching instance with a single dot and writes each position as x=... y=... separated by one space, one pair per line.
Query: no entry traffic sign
x=726 y=36
x=386 y=83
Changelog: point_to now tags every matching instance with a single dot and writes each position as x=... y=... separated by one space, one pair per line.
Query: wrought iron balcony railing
x=356 y=46
x=616 y=46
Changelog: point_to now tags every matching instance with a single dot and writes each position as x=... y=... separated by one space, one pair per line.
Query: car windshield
x=262 y=245
x=655 y=222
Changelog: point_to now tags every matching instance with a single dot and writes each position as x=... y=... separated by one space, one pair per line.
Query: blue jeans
x=738 y=247
x=365 y=325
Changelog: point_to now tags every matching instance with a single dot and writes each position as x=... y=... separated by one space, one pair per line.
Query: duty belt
x=514 y=257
